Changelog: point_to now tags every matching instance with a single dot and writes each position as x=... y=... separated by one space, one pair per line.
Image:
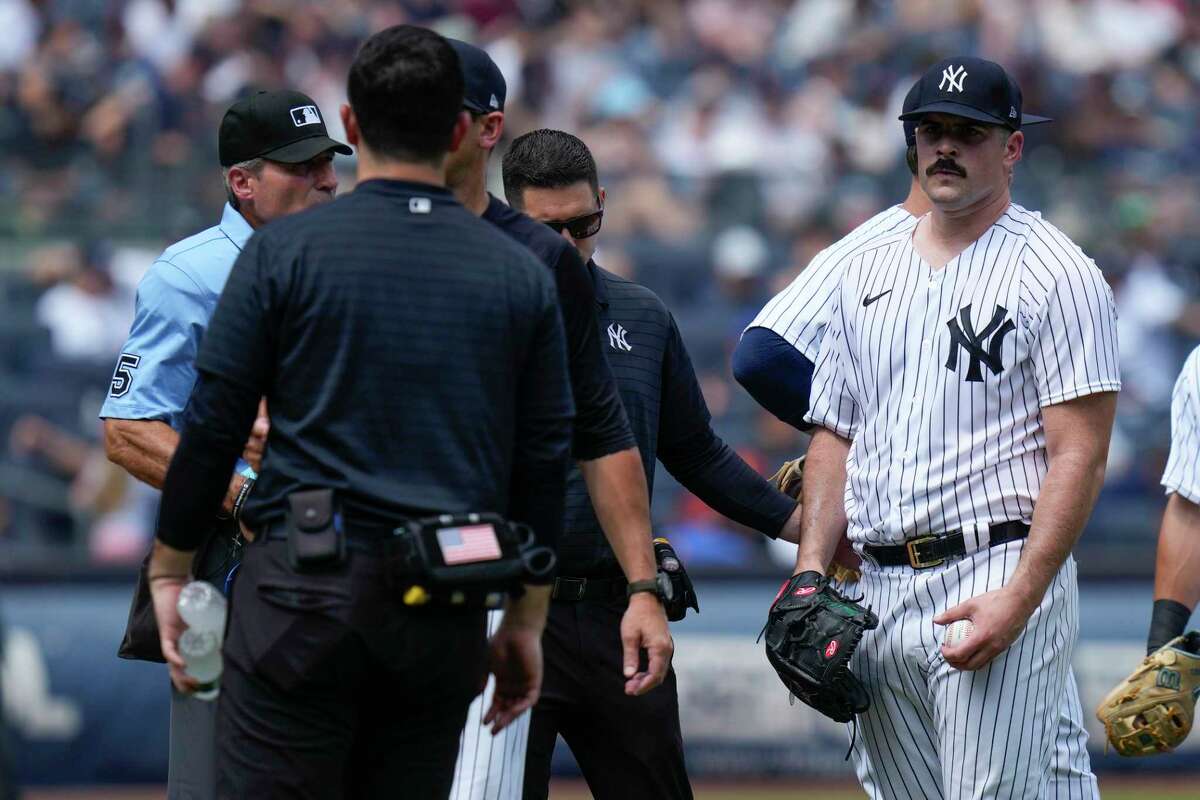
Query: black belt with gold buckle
x=925 y=552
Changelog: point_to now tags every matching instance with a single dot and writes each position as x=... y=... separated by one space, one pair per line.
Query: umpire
x=271 y=167
x=628 y=747
x=414 y=363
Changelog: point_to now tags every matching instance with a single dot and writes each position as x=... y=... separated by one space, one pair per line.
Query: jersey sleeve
x=800 y=313
x=1074 y=351
x=601 y=426
x=832 y=404
x=243 y=335
x=156 y=369
x=1182 y=475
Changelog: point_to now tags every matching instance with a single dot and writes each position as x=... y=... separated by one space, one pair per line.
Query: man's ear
x=492 y=130
x=240 y=183
x=1014 y=148
x=461 y=126
x=602 y=195
x=350 y=123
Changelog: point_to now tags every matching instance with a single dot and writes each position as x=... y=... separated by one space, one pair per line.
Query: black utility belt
x=925 y=552
x=469 y=559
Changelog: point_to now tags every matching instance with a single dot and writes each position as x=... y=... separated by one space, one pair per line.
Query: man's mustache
x=947 y=165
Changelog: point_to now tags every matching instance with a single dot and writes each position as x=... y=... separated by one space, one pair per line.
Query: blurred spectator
x=116 y=510
x=86 y=312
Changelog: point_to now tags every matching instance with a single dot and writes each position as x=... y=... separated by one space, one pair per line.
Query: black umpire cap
x=283 y=126
x=973 y=88
x=485 y=86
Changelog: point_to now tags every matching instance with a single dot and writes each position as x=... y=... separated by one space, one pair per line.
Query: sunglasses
x=581 y=227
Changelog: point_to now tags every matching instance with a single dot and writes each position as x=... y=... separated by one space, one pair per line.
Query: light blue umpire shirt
x=175 y=300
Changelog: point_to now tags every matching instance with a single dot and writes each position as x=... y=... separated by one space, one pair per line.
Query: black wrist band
x=1169 y=620
x=247 y=485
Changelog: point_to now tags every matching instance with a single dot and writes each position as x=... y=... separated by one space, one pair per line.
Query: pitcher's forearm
x=823 y=509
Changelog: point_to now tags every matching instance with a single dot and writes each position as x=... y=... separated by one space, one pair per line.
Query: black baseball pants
x=334 y=689
x=629 y=748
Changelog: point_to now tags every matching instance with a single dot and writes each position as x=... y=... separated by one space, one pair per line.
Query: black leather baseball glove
x=812 y=631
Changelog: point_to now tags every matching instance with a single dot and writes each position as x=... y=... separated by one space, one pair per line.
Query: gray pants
x=191 y=774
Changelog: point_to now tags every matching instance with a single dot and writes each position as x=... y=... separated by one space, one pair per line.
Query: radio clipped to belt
x=316 y=538
x=473 y=559
x=675 y=587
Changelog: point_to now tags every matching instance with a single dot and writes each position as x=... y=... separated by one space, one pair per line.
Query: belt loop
x=975 y=537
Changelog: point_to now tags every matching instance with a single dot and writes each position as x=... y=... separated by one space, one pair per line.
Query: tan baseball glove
x=789 y=479
x=1151 y=711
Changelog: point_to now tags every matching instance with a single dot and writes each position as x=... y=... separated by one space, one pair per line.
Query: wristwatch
x=659 y=586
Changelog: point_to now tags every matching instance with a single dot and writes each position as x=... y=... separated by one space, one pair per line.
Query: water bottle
x=203 y=608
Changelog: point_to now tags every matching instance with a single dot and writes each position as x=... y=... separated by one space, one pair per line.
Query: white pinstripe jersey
x=1182 y=474
x=939 y=376
x=800 y=312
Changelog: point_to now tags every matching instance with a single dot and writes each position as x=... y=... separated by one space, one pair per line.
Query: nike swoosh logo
x=868 y=300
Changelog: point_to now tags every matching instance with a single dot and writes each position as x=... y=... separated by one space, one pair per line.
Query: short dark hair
x=406 y=89
x=547 y=159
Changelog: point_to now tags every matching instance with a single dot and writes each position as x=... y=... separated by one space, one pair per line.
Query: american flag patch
x=468 y=544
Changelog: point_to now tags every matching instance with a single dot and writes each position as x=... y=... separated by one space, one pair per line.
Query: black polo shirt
x=601 y=425
x=670 y=421
x=412 y=357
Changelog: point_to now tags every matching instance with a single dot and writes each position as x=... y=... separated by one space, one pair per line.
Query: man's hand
x=644 y=625
x=999 y=617
x=256 y=445
x=515 y=658
x=169 y=571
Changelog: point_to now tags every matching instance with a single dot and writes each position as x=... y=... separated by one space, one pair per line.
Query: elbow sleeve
x=775 y=374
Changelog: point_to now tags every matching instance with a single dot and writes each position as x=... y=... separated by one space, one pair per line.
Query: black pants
x=628 y=747
x=334 y=689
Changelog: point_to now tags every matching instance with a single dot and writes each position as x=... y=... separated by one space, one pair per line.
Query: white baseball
x=958 y=631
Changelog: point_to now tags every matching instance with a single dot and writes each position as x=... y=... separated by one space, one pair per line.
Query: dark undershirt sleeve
x=601 y=425
x=703 y=463
x=215 y=426
x=235 y=362
x=775 y=374
x=542 y=435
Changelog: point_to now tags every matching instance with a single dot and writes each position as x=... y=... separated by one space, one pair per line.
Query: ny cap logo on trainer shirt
x=952 y=79
x=964 y=336
x=305 y=115
x=616 y=337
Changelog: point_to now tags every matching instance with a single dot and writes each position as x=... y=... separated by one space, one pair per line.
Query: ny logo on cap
x=305 y=115
x=954 y=77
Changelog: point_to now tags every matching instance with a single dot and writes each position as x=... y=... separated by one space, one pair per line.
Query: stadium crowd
x=736 y=138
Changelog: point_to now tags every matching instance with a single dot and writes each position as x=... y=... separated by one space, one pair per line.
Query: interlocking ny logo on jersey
x=952 y=79
x=616 y=337
x=305 y=115
x=976 y=344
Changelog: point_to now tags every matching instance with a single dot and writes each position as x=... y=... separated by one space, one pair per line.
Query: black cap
x=282 y=126
x=973 y=88
x=485 y=86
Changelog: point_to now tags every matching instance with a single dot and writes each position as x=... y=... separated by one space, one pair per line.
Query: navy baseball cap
x=973 y=88
x=283 y=126
x=485 y=88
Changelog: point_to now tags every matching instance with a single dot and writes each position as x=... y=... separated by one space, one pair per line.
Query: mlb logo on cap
x=305 y=115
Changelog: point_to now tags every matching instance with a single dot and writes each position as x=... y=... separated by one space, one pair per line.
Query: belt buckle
x=578 y=585
x=914 y=560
